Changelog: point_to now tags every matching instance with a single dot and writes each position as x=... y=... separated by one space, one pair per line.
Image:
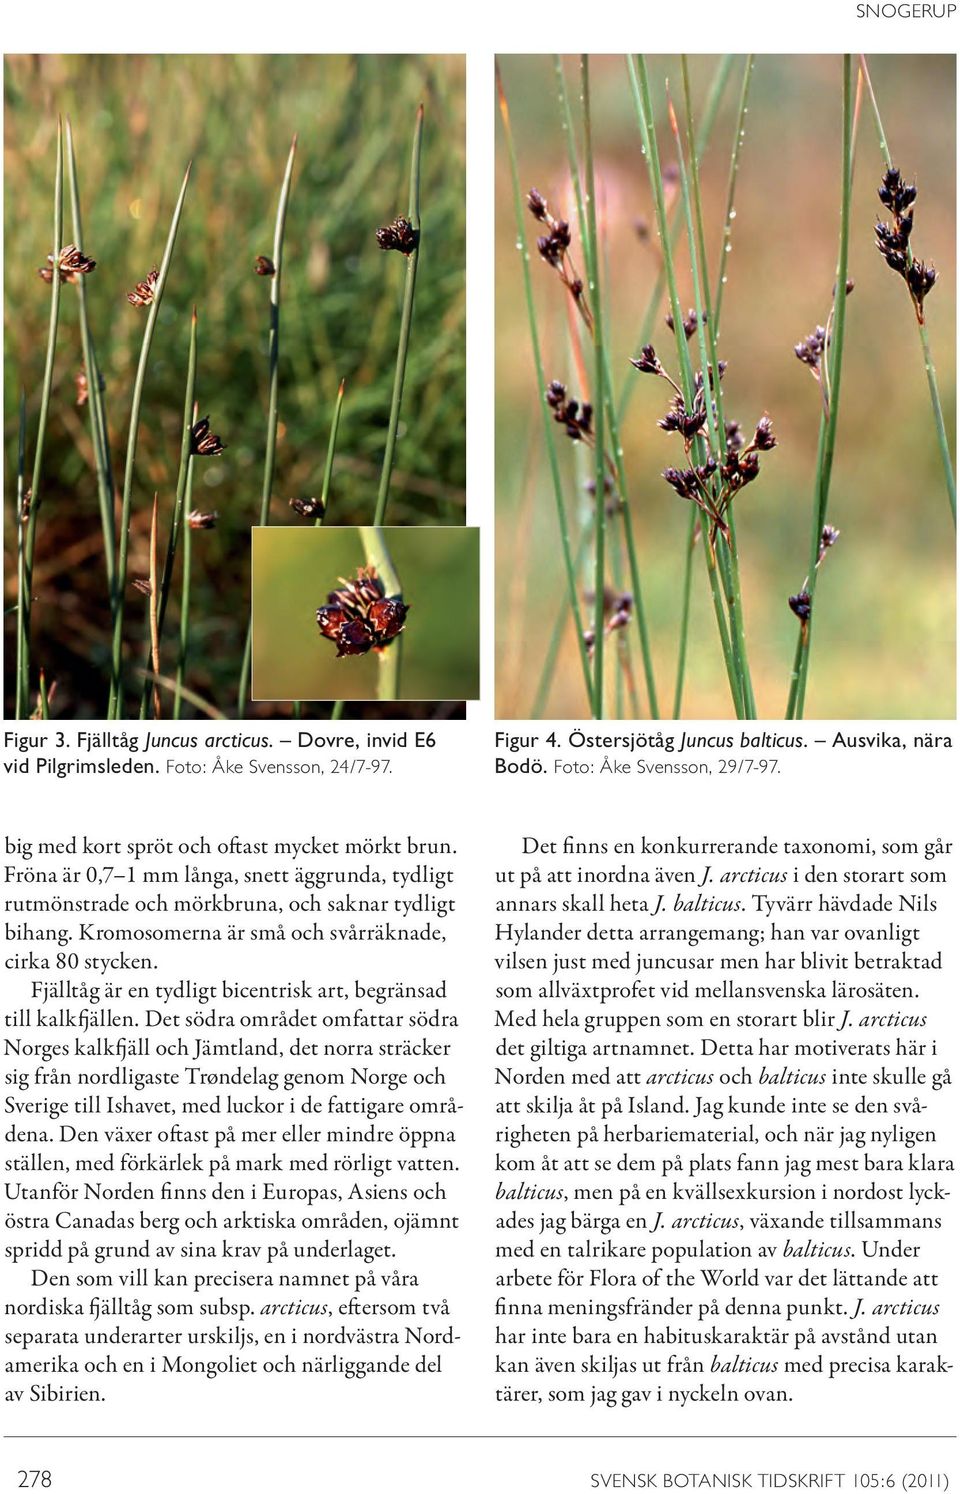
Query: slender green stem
x=612 y=416
x=185 y=581
x=556 y=637
x=25 y=599
x=331 y=453
x=377 y=553
x=707 y=342
x=730 y=210
x=18 y=519
x=325 y=488
x=592 y=251
x=641 y=93
x=943 y=441
x=95 y=401
x=406 y=321
x=273 y=402
x=685 y=614
x=834 y=353
x=120 y=574
x=710 y=112
x=562 y=519
x=179 y=505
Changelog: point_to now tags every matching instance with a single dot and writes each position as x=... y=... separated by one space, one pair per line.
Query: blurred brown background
x=884 y=642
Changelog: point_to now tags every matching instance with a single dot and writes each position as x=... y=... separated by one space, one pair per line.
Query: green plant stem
x=834 y=355
x=641 y=93
x=185 y=580
x=943 y=441
x=95 y=401
x=730 y=209
x=592 y=251
x=273 y=400
x=612 y=416
x=377 y=553
x=562 y=520
x=406 y=321
x=331 y=453
x=25 y=598
x=710 y=112
x=115 y=707
x=709 y=362
x=184 y=475
x=556 y=636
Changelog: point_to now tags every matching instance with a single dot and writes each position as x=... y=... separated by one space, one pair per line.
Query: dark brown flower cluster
x=617 y=611
x=801 y=605
x=198 y=520
x=203 y=441
x=264 y=266
x=893 y=239
x=69 y=264
x=400 y=235
x=143 y=292
x=713 y=482
x=359 y=616
x=554 y=249
x=576 y=419
x=308 y=508
x=810 y=350
x=689 y=322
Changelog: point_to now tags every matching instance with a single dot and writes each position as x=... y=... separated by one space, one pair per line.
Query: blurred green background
x=137 y=120
x=884 y=642
x=293 y=572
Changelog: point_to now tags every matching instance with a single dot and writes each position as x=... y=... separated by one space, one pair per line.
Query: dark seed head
x=198 y=520
x=763 y=437
x=800 y=605
x=308 y=508
x=400 y=235
x=144 y=292
x=264 y=266
x=648 y=362
x=203 y=441
x=537 y=204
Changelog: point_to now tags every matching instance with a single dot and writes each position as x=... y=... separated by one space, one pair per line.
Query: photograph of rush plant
x=235 y=297
x=725 y=387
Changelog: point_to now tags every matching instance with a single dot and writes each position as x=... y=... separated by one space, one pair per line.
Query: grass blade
x=377 y=554
x=33 y=497
x=273 y=405
x=562 y=520
x=828 y=420
x=331 y=453
x=943 y=441
x=184 y=475
x=592 y=251
x=185 y=579
x=641 y=94
x=120 y=575
x=406 y=321
x=98 y=420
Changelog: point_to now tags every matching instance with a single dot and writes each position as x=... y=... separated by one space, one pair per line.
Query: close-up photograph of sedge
x=234 y=298
x=725 y=404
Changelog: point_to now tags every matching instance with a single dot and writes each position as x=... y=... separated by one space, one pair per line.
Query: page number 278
x=34 y=1478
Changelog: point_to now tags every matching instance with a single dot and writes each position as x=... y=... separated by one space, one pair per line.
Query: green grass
x=135 y=120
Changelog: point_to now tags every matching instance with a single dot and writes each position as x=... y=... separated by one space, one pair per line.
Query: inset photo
x=357 y=614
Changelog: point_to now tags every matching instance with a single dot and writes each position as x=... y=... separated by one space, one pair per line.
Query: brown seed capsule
x=198 y=520
x=141 y=584
x=70 y=263
x=801 y=605
x=143 y=294
x=358 y=616
x=264 y=266
x=308 y=508
x=400 y=235
x=203 y=442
